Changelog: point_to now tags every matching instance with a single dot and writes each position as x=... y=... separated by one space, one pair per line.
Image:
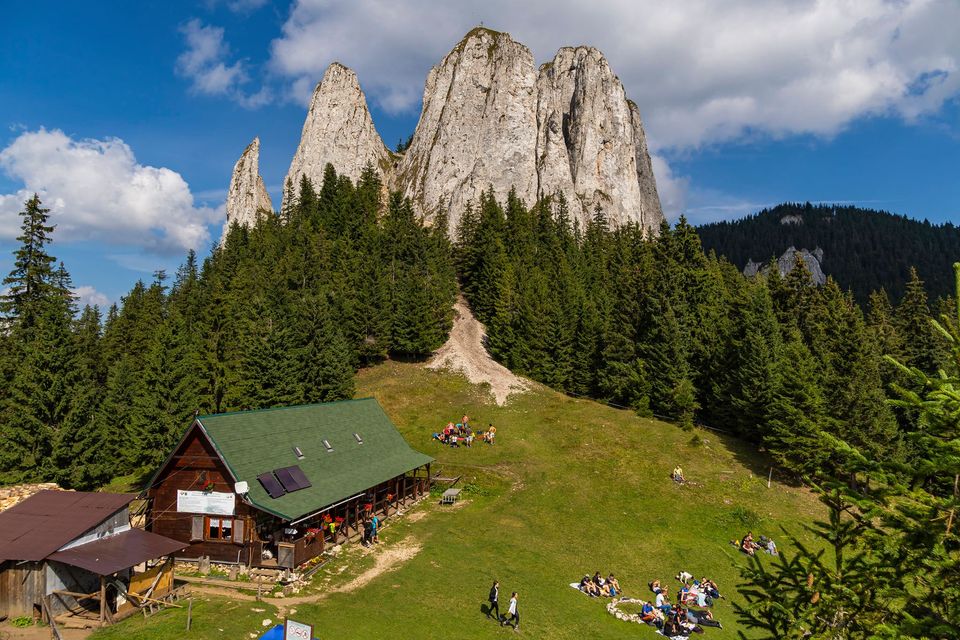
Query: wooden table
x=450 y=496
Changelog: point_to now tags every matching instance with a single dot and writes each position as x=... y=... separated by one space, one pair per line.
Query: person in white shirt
x=513 y=614
x=662 y=603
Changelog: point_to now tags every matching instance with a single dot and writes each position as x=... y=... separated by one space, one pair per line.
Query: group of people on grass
x=460 y=433
x=598 y=586
x=493 y=611
x=680 y=619
x=750 y=546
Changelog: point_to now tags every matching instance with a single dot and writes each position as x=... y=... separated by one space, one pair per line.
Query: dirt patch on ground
x=386 y=560
x=37 y=632
x=465 y=352
x=417 y=516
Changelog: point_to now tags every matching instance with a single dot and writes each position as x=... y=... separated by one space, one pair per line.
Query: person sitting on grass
x=678 y=474
x=662 y=603
x=655 y=586
x=588 y=587
x=771 y=547
x=747 y=545
x=709 y=587
x=613 y=586
x=491 y=434
x=651 y=615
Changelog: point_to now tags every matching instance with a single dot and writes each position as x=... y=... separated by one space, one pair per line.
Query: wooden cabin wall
x=63 y=577
x=22 y=586
x=194 y=457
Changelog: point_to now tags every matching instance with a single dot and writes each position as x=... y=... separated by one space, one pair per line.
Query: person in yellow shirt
x=678 y=474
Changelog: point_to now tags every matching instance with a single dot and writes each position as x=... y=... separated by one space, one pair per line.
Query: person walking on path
x=513 y=614
x=494 y=599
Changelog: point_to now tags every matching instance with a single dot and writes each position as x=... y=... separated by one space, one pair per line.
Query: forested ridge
x=281 y=314
x=863 y=249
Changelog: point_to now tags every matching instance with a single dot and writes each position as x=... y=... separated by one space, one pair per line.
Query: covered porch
x=290 y=544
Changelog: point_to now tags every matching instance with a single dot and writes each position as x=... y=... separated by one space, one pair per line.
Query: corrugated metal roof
x=48 y=520
x=107 y=556
x=254 y=442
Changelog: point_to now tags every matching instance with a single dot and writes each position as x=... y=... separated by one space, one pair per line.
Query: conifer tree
x=32 y=278
x=913 y=322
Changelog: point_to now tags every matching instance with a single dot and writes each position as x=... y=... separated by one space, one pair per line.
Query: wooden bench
x=450 y=496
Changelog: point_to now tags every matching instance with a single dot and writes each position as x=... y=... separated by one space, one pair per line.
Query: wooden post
x=769 y=477
x=189 y=613
x=103 y=599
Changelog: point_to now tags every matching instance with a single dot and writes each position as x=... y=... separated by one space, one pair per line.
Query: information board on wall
x=293 y=630
x=213 y=503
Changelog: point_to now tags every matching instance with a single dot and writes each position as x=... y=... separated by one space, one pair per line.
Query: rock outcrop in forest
x=247 y=196
x=492 y=120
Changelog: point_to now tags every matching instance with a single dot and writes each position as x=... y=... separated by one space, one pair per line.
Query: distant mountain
x=863 y=249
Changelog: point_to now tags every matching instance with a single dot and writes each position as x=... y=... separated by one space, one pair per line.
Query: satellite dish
x=241 y=487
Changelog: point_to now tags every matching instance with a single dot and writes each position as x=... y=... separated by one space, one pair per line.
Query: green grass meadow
x=571 y=487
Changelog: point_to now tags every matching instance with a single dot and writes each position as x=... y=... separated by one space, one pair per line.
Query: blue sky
x=129 y=116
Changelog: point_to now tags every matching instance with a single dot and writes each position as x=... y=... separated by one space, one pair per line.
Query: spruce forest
x=281 y=314
x=857 y=402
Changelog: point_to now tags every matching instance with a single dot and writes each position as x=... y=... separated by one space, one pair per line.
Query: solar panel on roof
x=270 y=483
x=292 y=478
x=300 y=477
x=286 y=479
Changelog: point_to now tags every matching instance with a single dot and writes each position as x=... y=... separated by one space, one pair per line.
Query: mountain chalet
x=274 y=487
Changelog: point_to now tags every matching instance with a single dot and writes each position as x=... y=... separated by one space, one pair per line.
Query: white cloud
x=97 y=190
x=87 y=295
x=671 y=189
x=701 y=71
x=205 y=63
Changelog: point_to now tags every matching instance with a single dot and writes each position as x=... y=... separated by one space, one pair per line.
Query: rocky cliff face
x=492 y=120
x=338 y=130
x=590 y=141
x=477 y=129
x=247 y=196
x=788 y=260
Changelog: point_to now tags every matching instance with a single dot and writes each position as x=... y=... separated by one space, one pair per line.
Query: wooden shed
x=73 y=554
x=274 y=487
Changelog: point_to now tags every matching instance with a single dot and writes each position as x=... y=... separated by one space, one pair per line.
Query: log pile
x=10 y=496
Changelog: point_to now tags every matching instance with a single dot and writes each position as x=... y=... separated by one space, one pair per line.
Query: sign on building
x=213 y=503
x=293 y=630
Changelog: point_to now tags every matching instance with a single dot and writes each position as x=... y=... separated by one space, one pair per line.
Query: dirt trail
x=465 y=352
x=385 y=560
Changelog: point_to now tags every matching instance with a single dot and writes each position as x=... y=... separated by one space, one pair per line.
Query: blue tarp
x=275 y=634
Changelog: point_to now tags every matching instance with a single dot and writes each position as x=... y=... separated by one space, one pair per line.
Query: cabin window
x=219 y=529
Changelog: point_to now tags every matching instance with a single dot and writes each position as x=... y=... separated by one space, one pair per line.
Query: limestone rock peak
x=247 y=197
x=338 y=130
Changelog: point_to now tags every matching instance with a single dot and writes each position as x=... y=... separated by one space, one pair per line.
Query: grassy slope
x=571 y=487
x=212 y=617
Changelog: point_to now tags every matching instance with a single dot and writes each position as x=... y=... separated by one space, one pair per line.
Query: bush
x=22 y=621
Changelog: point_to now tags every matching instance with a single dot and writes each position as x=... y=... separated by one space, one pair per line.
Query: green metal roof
x=255 y=442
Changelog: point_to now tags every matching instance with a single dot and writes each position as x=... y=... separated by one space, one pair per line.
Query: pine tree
x=797 y=414
x=913 y=322
x=32 y=278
